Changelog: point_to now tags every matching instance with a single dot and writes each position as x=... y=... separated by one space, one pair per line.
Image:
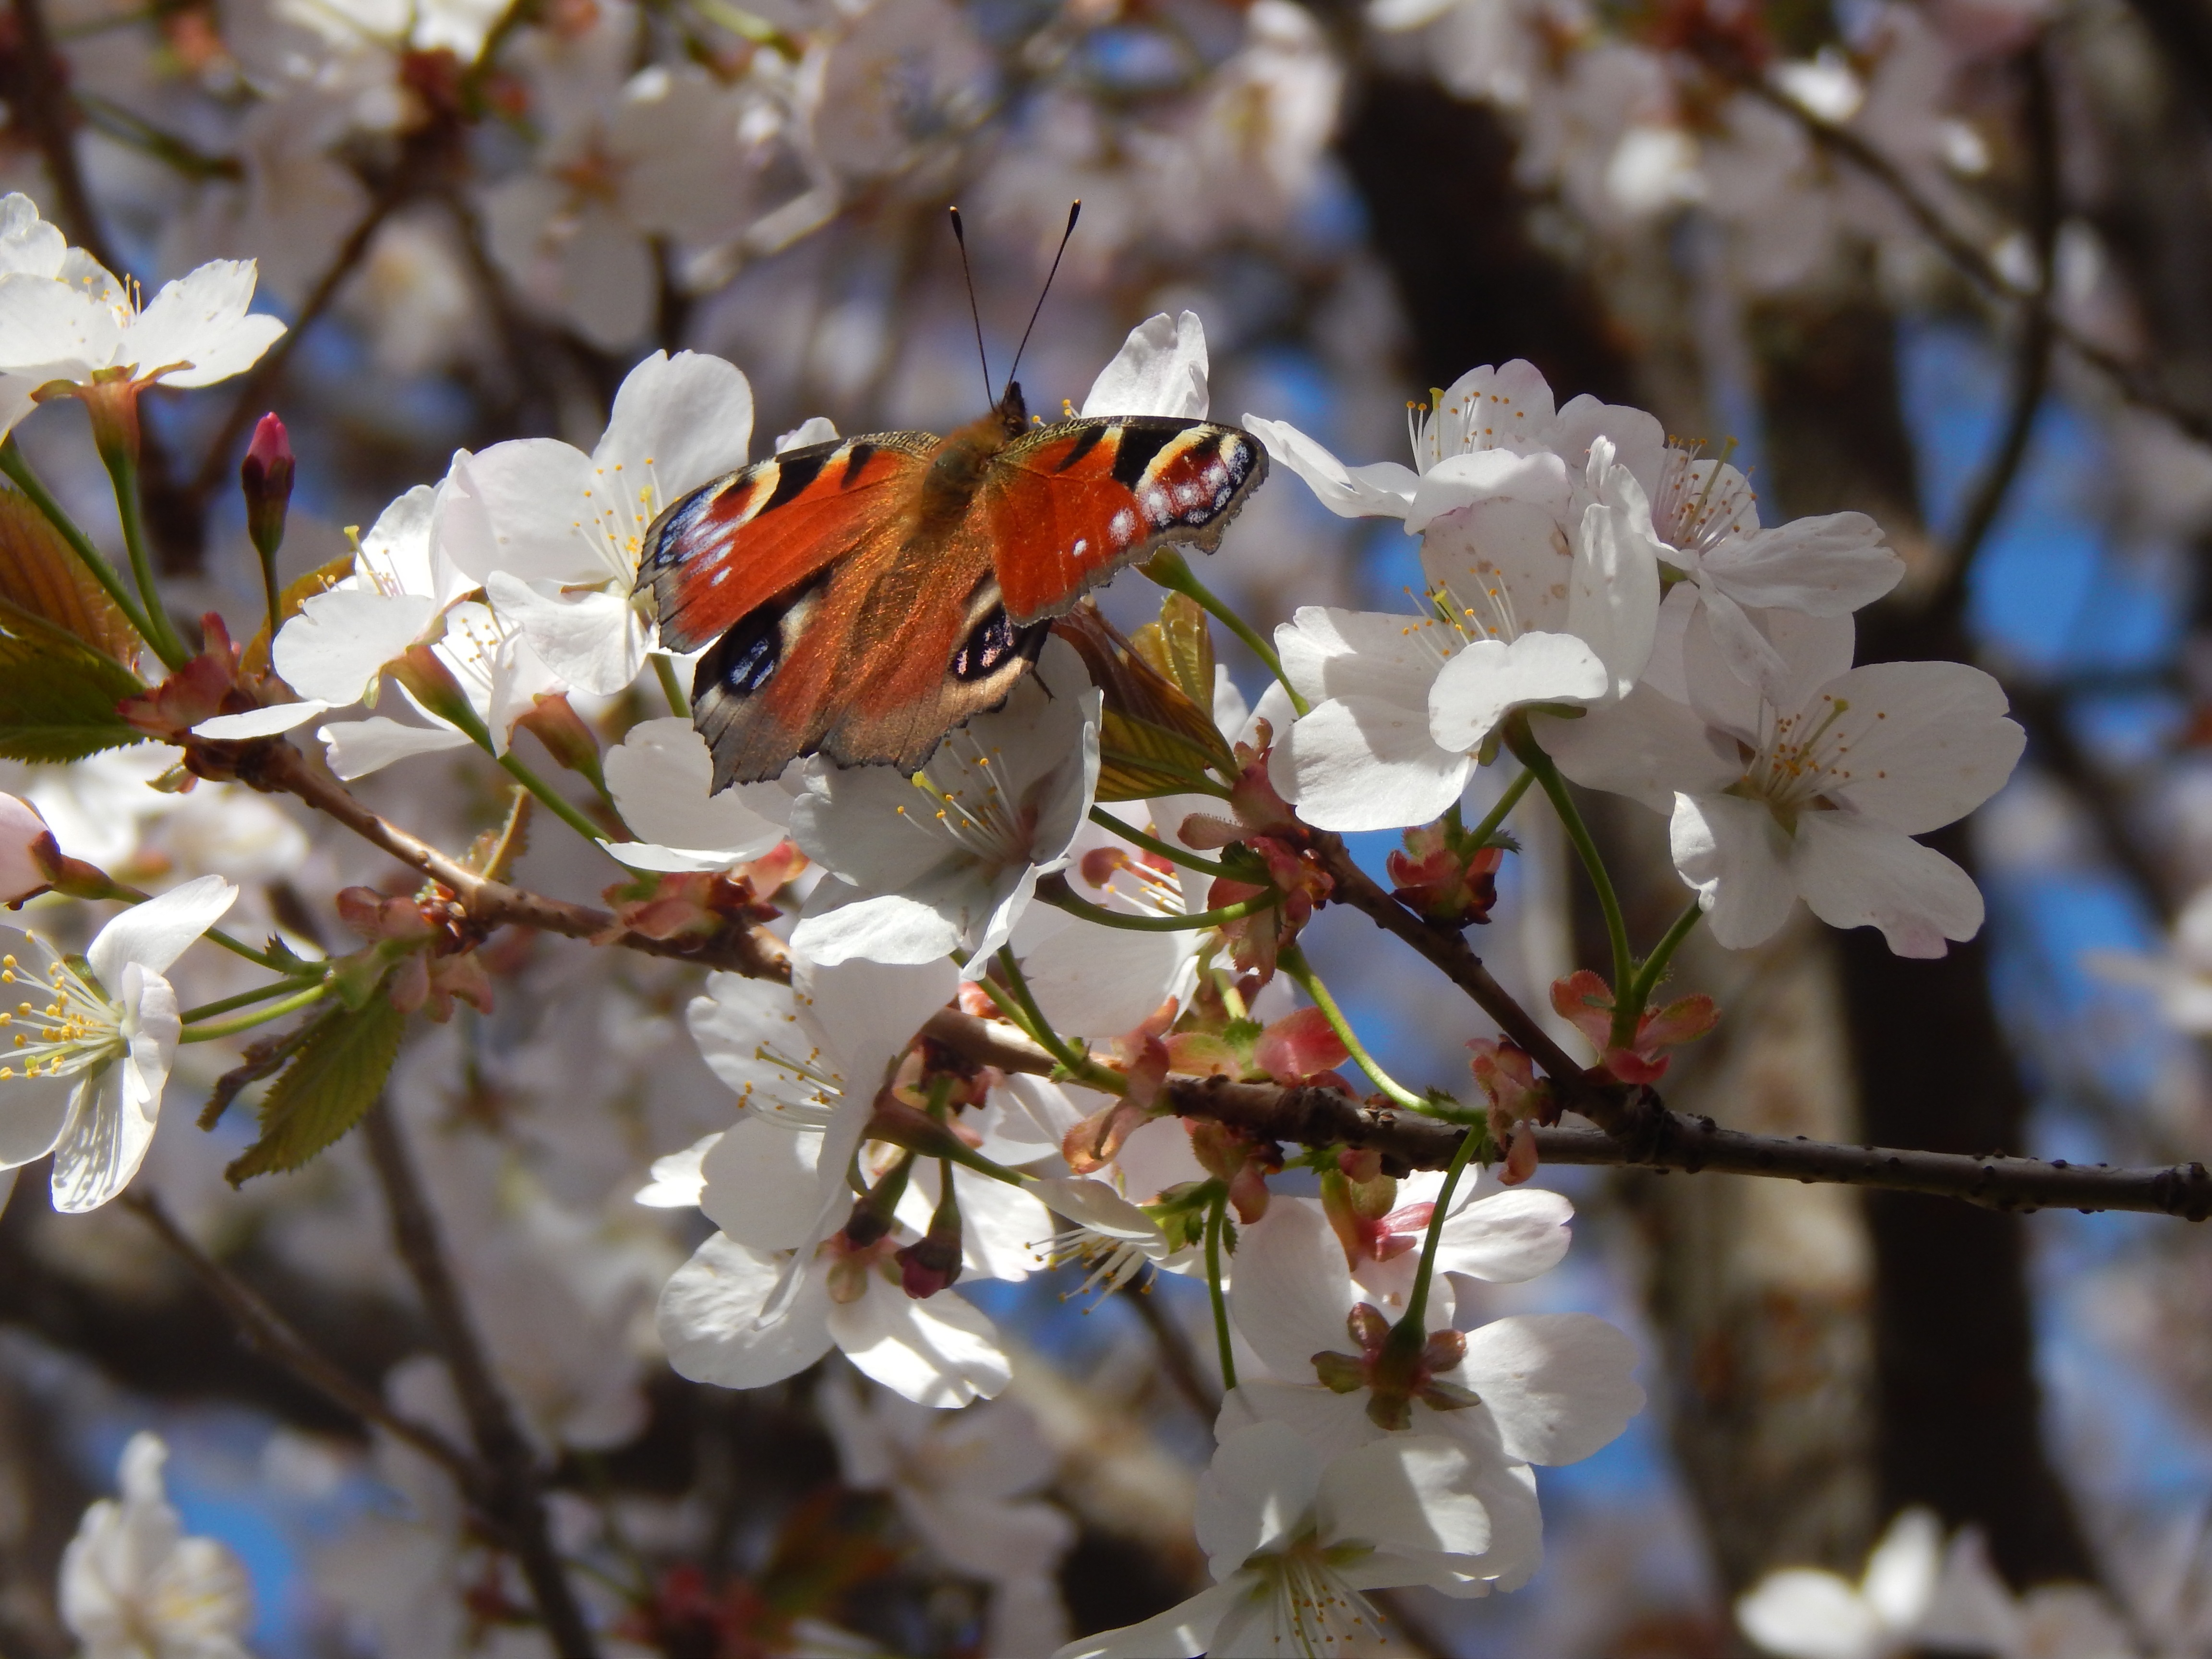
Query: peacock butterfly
x=864 y=597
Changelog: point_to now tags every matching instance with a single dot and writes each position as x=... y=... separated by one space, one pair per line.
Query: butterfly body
x=861 y=597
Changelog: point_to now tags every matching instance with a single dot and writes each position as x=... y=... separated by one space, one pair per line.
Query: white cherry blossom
x=1815 y=793
x=93 y=1042
x=661 y=775
x=1293 y=1542
x=1503 y=1236
x=555 y=535
x=951 y=857
x=135 y=1586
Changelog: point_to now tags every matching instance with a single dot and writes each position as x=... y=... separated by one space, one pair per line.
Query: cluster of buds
x=1584 y=999
x=422 y=948
x=1266 y=835
x=1519 y=1100
x=1446 y=874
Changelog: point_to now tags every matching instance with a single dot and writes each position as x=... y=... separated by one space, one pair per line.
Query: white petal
x=1254 y=1495
x=1507 y=1237
x=46 y=328
x=766 y=1182
x=1185 y=1631
x=1292 y=1289
x=156 y=933
x=1801 y=1613
x=103 y=1144
x=887 y=927
x=595 y=640
x=1328 y=653
x=940 y=1353
x=1647 y=747
x=360 y=747
x=518 y=507
x=32 y=1111
x=676 y=1179
x=201 y=319
x=1329 y=1424
x=1160 y=370
x=659 y=775
x=1738 y=859
x=260 y=722
x=1459 y=482
x=1740 y=644
x=1613 y=590
x=1362 y=763
x=1474 y=690
x=865 y=1013
x=1824 y=567
x=1384 y=489
x=1098 y=982
x=710 y=1312
x=1558 y=1386
x=340 y=640
x=1902 y=1572
x=677 y=422
x=1411 y=1496
x=1925 y=742
x=1854 y=872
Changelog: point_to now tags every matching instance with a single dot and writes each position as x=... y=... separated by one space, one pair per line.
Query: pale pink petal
x=710 y=1317
x=1647 y=747
x=940 y=1353
x=1801 y=1613
x=341 y=639
x=1384 y=489
x=1738 y=857
x=660 y=774
x=1476 y=689
x=1161 y=370
x=156 y=933
x=677 y=422
x=1363 y=764
x=1558 y=1386
x=360 y=747
x=1922 y=743
x=1854 y=872
x=1292 y=1289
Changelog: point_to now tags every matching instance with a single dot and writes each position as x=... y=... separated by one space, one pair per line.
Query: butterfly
x=861 y=597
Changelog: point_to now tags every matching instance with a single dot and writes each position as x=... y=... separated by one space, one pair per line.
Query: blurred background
x=1945 y=263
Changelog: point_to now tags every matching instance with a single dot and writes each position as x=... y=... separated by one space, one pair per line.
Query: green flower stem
x=269 y=959
x=224 y=1028
x=1412 y=1329
x=1170 y=570
x=1026 y=1014
x=1293 y=961
x=18 y=472
x=1518 y=739
x=123 y=470
x=1062 y=897
x=467 y=720
x=1497 y=815
x=1214 y=1217
x=1655 y=966
x=243 y=1000
x=1106 y=820
x=671 y=686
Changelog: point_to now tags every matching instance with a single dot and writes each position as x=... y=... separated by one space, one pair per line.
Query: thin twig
x=267 y=1333
x=246 y=405
x=2135 y=384
x=515 y=1489
x=2030 y=373
x=1651 y=1137
x=278 y=766
x=47 y=110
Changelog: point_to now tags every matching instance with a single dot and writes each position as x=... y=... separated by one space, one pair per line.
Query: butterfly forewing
x=751 y=538
x=1067 y=506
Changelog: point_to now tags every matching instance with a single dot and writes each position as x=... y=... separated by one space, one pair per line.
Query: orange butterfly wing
x=749 y=538
x=1067 y=506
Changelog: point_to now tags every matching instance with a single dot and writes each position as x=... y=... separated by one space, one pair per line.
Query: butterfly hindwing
x=1067 y=506
x=753 y=537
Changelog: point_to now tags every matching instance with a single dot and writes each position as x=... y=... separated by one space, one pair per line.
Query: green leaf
x=336 y=1077
x=57 y=699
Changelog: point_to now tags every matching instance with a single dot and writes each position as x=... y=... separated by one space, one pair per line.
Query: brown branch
x=2032 y=353
x=1652 y=1138
x=278 y=766
x=2133 y=383
x=42 y=86
x=266 y=1332
x=515 y=1489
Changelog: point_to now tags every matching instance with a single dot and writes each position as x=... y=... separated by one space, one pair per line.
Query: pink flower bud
x=22 y=829
x=266 y=476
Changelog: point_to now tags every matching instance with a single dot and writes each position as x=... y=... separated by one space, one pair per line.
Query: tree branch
x=265 y=1331
x=43 y=89
x=514 y=1491
x=278 y=766
x=2135 y=384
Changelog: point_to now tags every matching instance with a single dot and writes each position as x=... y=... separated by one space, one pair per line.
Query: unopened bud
x=432 y=684
x=874 y=1209
x=932 y=1263
x=22 y=832
x=266 y=476
x=571 y=742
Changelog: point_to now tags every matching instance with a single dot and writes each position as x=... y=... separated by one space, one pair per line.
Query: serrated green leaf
x=57 y=699
x=1138 y=759
x=336 y=1076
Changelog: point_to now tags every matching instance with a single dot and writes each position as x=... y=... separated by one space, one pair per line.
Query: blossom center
x=1319 y=1612
x=1699 y=505
x=620 y=504
x=975 y=805
x=79 y=1028
x=1801 y=756
x=1439 y=430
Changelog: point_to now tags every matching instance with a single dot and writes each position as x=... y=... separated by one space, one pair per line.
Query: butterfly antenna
x=960 y=235
x=1074 y=211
